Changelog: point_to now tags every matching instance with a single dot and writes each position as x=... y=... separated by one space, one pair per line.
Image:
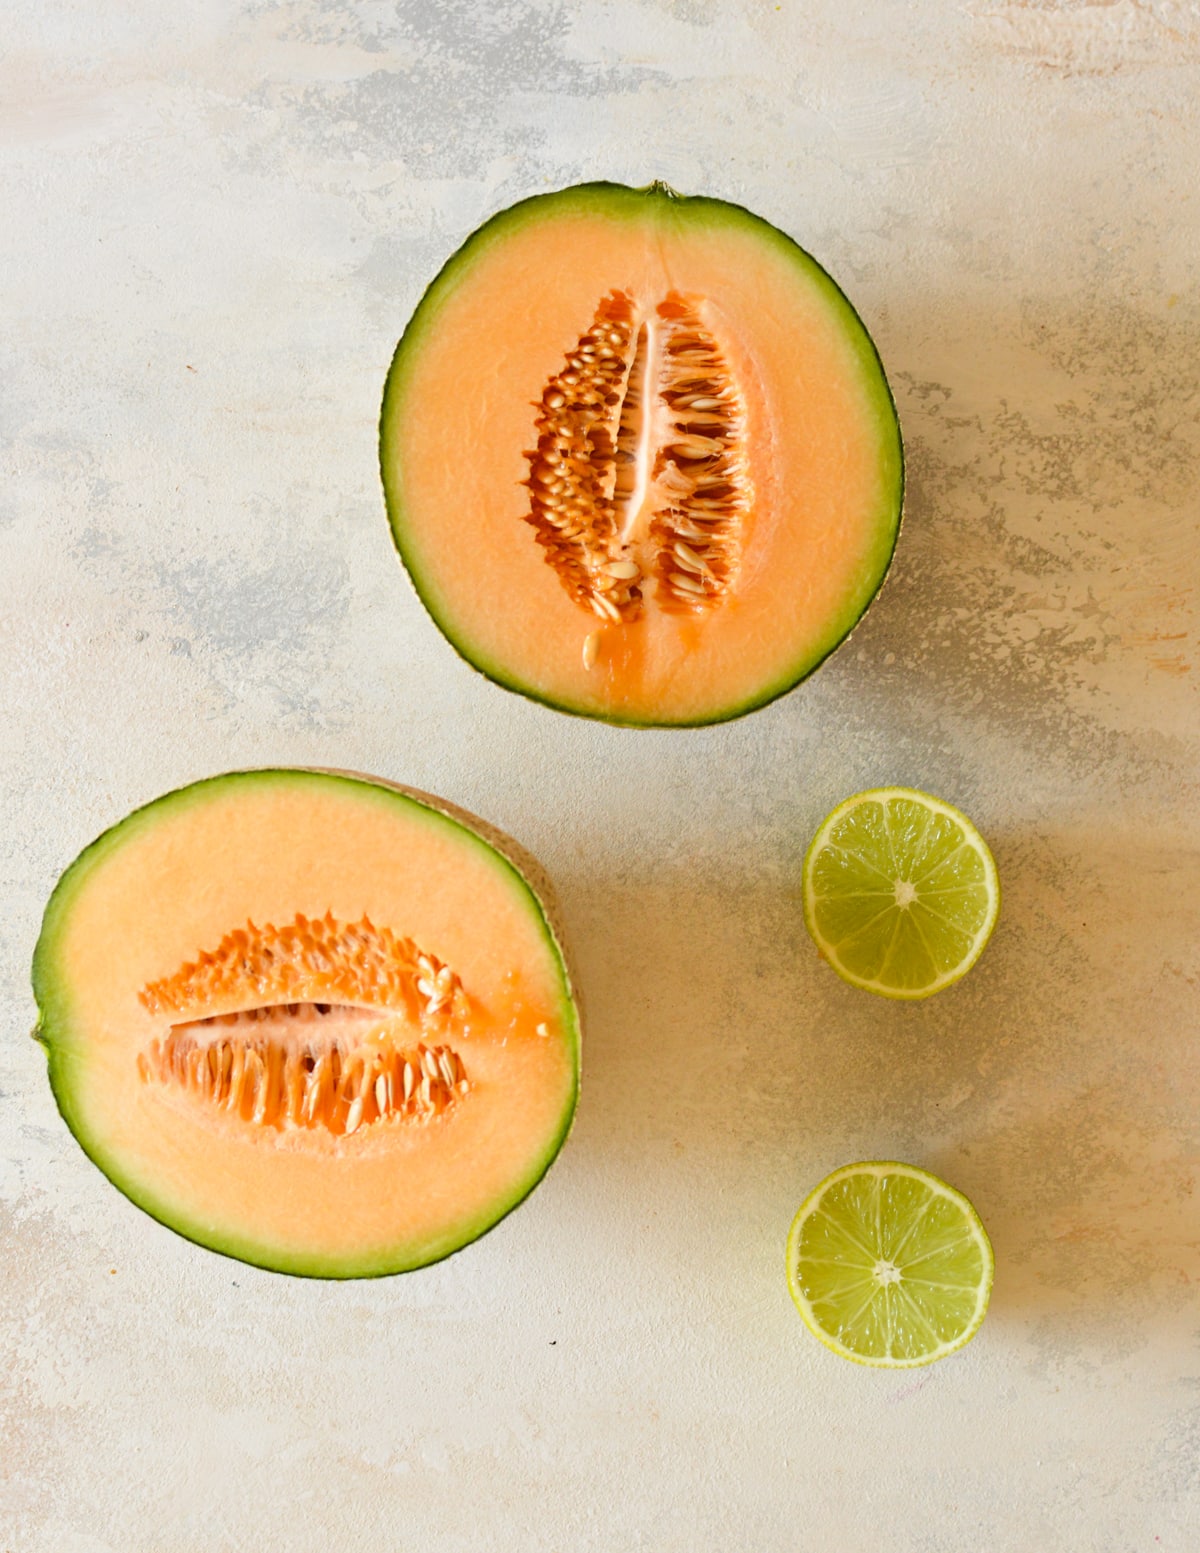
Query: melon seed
x=270 y=1026
x=262 y=1078
x=582 y=507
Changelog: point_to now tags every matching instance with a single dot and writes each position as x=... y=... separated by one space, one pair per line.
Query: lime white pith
x=889 y=1266
x=900 y=892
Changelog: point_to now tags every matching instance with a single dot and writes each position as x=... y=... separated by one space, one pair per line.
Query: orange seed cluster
x=315 y=960
x=243 y=1068
x=598 y=459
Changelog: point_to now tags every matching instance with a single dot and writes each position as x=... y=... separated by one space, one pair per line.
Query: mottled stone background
x=217 y=218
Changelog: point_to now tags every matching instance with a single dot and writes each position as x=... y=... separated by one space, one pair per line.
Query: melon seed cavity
x=639 y=485
x=313 y=1025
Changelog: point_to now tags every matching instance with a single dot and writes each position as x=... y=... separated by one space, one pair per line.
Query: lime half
x=889 y=1266
x=900 y=892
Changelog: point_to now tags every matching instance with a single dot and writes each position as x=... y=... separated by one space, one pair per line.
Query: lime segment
x=900 y=892
x=889 y=1266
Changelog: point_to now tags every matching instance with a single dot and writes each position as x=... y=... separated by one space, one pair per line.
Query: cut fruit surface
x=310 y=1020
x=889 y=1266
x=900 y=892
x=640 y=458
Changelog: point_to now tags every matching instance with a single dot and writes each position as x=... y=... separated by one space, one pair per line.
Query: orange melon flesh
x=817 y=428
x=170 y=883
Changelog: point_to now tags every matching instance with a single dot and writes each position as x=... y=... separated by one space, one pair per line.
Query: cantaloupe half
x=640 y=457
x=312 y=1021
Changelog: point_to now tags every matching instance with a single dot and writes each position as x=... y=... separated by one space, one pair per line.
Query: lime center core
x=906 y=893
x=886 y=1272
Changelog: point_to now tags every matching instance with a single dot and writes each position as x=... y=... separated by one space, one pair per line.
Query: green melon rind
x=53 y=1031
x=622 y=201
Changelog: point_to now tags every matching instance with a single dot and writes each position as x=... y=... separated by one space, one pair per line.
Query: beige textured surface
x=217 y=219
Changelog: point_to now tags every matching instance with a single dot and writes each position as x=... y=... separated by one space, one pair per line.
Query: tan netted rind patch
x=310 y=960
